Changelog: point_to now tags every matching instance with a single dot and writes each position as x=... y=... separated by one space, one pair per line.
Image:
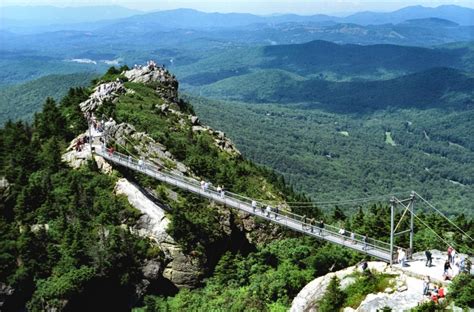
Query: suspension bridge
x=385 y=251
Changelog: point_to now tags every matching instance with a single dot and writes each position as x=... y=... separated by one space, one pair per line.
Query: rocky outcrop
x=108 y=91
x=182 y=270
x=405 y=294
x=307 y=299
x=220 y=140
x=166 y=84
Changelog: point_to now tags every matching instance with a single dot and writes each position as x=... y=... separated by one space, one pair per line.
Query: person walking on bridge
x=304 y=220
x=321 y=227
x=269 y=211
x=364 y=240
x=254 y=205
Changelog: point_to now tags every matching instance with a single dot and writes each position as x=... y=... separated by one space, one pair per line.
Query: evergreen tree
x=333 y=298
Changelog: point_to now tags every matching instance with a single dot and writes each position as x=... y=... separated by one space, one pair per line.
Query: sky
x=251 y=6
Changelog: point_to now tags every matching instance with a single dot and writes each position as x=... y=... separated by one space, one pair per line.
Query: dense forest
x=22 y=101
x=65 y=241
x=324 y=60
x=438 y=87
x=333 y=156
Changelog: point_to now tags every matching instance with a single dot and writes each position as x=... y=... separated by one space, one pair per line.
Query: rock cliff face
x=182 y=270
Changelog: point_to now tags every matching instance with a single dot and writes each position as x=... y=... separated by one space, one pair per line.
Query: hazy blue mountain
x=48 y=15
x=430 y=22
x=188 y=18
x=24 y=18
x=460 y=15
x=325 y=60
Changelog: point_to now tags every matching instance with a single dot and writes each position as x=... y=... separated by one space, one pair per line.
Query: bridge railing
x=244 y=203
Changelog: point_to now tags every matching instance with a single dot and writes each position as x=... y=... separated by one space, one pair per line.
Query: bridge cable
x=429 y=204
x=442 y=239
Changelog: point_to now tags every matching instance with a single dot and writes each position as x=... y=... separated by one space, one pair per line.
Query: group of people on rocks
x=435 y=293
x=453 y=264
x=81 y=142
x=97 y=125
x=149 y=64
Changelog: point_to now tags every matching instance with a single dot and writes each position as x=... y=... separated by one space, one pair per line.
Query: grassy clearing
x=389 y=139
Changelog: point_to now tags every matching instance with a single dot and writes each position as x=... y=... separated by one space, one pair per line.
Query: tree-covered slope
x=23 y=100
x=325 y=60
x=68 y=242
x=332 y=156
x=438 y=87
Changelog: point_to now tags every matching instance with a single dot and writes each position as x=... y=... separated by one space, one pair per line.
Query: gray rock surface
x=5 y=292
x=307 y=298
x=152 y=270
x=104 y=92
x=4 y=189
x=182 y=270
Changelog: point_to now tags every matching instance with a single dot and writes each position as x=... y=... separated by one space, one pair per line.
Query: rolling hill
x=325 y=60
x=433 y=88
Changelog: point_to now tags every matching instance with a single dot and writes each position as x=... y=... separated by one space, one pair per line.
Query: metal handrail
x=282 y=216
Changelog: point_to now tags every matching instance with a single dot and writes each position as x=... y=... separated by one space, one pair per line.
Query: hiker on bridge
x=202 y=185
x=254 y=205
x=353 y=238
x=219 y=189
x=304 y=220
x=311 y=224
x=342 y=232
x=269 y=210
x=321 y=227
x=277 y=210
x=222 y=191
x=364 y=240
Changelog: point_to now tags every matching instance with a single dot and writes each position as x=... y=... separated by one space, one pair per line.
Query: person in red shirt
x=441 y=292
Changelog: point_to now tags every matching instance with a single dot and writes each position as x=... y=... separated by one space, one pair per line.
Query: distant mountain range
x=436 y=87
x=79 y=18
x=327 y=61
x=50 y=15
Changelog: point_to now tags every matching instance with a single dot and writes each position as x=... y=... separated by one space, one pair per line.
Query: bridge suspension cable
x=444 y=216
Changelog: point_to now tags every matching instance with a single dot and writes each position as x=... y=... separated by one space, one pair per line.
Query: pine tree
x=334 y=298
